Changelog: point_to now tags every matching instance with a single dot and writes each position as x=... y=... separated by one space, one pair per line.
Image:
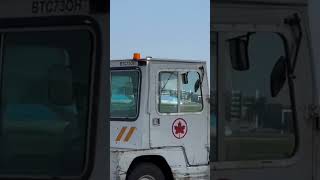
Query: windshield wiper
x=167 y=81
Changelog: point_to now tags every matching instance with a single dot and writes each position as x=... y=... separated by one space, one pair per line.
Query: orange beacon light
x=136 y=56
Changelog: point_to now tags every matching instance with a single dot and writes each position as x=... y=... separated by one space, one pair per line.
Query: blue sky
x=160 y=28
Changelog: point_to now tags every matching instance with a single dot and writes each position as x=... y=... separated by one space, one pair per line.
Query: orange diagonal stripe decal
x=121 y=133
x=131 y=131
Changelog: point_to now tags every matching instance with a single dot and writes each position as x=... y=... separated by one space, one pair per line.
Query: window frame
x=286 y=37
x=215 y=75
x=56 y=24
x=122 y=119
x=158 y=92
x=179 y=71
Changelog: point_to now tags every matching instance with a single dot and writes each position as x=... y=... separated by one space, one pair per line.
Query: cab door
x=260 y=136
x=178 y=109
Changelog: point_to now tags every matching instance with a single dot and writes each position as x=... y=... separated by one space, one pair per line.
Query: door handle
x=314 y=115
x=156 y=121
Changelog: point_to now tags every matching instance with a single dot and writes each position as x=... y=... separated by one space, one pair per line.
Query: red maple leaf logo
x=179 y=129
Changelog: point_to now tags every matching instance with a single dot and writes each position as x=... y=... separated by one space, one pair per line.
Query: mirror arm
x=292 y=22
x=202 y=74
x=248 y=36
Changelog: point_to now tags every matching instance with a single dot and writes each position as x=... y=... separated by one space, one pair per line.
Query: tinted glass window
x=124 y=94
x=44 y=102
x=180 y=92
x=257 y=125
x=191 y=97
x=168 y=89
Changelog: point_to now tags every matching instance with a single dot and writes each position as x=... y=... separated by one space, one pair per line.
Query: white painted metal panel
x=174 y=156
x=132 y=134
x=195 y=139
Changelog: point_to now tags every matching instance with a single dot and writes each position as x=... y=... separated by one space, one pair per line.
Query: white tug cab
x=159 y=119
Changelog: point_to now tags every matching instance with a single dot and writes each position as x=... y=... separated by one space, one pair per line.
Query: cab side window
x=168 y=92
x=191 y=97
x=179 y=92
x=256 y=125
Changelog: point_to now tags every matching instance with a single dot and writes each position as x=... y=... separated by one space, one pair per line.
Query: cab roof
x=132 y=62
x=163 y=60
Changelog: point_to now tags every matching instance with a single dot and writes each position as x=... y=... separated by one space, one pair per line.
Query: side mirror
x=239 y=54
x=278 y=76
x=184 y=78
x=60 y=88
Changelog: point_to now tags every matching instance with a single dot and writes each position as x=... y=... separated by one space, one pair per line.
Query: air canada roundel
x=179 y=128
